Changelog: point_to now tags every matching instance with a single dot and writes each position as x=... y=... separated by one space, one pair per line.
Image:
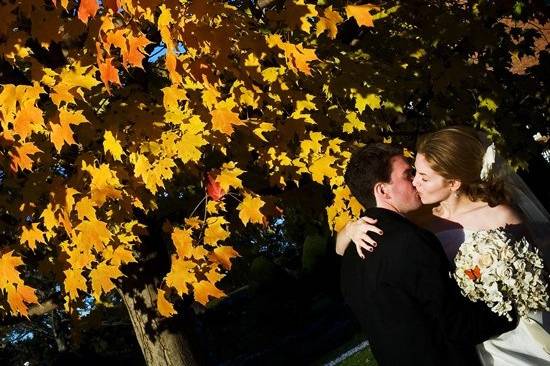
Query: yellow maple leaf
x=79 y=258
x=210 y=96
x=93 y=234
x=264 y=127
x=32 y=236
x=105 y=183
x=164 y=307
x=249 y=210
x=112 y=145
x=228 y=176
x=214 y=275
x=251 y=60
x=215 y=231
x=312 y=145
x=362 y=14
x=120 y=255
x=49 y=218
x=329 y=21
x=173 y=95
x=85 y=209
x=8 y=272
x=18 y=293
x=322 y=168
x=20 y=156
x=353 y=123
x=102 y=278
x=193 y=222
x=223 y=118
x=372 y=100
x=188 y=148
x=62 y=133
x=183 y=242
x=204 y=289
x=73 y=282
x=271 y=74
x=18 y=296
x=181 y=273
x=27 y=120
x=341 y=220
x=224 y=254
x=297 y=57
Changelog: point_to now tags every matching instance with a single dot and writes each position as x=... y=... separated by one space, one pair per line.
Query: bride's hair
x=457 y=153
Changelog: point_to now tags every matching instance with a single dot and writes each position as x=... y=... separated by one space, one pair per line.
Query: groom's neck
x=388 y=206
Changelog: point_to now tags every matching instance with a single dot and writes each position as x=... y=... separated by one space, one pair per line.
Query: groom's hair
x=367 y=166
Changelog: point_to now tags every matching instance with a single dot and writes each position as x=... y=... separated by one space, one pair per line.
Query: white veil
x=536 y=217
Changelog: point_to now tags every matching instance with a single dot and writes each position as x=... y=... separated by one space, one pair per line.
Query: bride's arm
x=357 y=232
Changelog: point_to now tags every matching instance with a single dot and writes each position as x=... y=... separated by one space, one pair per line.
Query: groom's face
x=402 y=193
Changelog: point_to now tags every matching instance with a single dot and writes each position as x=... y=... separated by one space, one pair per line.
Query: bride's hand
x=357 y=232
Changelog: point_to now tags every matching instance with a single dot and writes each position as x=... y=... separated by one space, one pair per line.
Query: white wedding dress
x=528 y=344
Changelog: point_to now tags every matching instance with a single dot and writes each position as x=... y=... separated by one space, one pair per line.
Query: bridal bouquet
x=503 y=273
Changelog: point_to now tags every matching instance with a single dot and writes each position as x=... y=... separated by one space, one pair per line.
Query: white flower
x=503 y=274
x=485 y=260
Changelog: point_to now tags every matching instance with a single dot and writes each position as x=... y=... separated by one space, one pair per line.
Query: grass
x=361 y=358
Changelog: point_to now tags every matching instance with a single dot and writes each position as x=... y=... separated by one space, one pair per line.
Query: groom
x=403 y=296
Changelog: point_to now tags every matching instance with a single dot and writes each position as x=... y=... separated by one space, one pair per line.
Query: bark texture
x=160 y=347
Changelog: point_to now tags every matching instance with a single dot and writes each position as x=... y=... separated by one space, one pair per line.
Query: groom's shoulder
x=391 y=220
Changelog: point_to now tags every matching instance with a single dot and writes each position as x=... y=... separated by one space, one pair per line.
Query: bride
x=469 y=191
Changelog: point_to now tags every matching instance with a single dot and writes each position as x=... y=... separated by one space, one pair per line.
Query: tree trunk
x=160 y=347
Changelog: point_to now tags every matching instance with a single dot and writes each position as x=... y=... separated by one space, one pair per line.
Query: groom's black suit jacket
x=407 y=303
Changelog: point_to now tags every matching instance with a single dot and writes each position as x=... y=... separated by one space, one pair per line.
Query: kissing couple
x=464 y=284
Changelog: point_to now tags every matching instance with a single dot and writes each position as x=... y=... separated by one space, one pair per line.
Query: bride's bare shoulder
x=504 y=214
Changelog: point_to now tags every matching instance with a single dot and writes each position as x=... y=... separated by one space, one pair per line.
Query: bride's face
x=431 y=187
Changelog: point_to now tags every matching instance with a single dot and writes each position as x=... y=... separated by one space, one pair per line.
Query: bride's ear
x=455 y=185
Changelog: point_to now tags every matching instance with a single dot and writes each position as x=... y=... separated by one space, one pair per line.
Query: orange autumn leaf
x=85 y=209
x=329 y=21
x=183 y=242
x=28 y=119
x=20 y=156
x=204 y=289
x=224 y=255
x=8 y=272
x=213 y=188
x=113 y=5
x=32 y=236
x=223 y=118
x=164 y=307
x=215 y=230
x=20 y=295
x=362 y=14
x=109 y=73
x=102 y=278
x=93 y=234
x=249 y=210
x=181 y=273
x=229 y=176
x=136 y=51
x=74 y=281
x=112 y=145
x=87 y=9
x=62 y=133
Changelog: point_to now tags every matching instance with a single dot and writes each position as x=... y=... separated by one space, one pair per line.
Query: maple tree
x=107 y=108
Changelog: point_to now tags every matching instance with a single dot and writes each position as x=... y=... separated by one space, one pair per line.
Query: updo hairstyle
x=456 y=153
